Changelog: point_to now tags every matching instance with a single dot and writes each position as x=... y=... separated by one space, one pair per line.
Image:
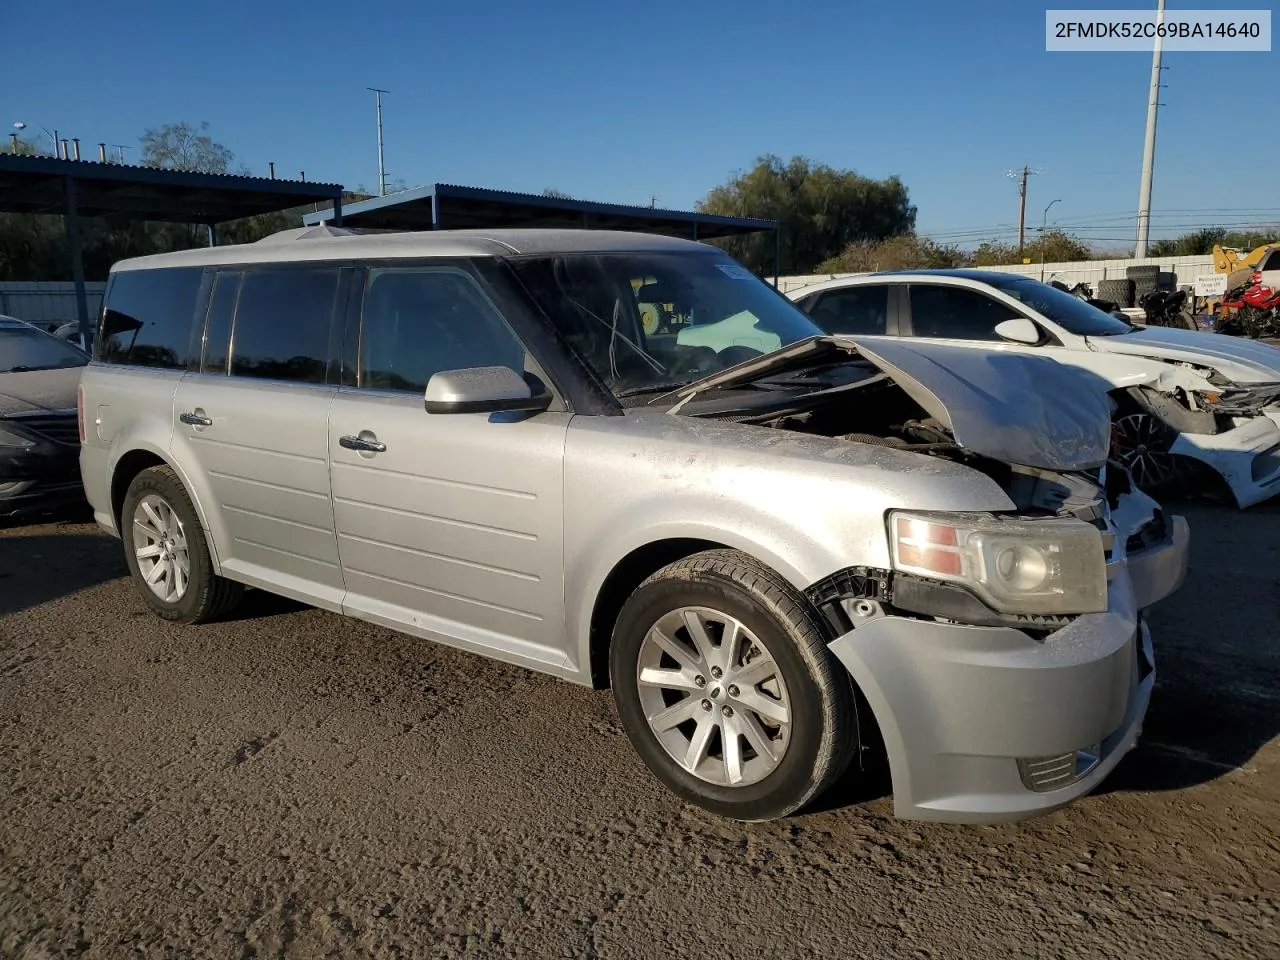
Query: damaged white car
x=1176 y=393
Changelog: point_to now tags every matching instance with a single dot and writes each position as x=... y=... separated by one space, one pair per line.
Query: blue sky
x=621 y=102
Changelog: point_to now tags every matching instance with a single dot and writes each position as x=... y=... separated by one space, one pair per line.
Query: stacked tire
x=1119 y=292
x=1146 y=280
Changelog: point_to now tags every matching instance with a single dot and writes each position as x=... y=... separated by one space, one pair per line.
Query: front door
x=449 y=525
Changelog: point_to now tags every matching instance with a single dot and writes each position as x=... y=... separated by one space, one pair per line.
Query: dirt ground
x=292 y=784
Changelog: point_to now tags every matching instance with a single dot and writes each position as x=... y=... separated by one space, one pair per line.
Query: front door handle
x=197 y=419
x=362 y=444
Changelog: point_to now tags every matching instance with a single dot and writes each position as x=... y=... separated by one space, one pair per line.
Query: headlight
x=1053 y=566
x=9 y=438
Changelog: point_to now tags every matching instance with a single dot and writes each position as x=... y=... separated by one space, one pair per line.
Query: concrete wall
x=42 y=302
x=1087 y=271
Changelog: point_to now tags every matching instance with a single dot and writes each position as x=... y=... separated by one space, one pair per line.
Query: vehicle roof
x=296 y=246
x=7 y=321
x=975 y=276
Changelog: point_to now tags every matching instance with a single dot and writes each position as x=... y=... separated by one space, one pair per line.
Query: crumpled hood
x=39 y=390
x=1237 y=358
x=1010 y=407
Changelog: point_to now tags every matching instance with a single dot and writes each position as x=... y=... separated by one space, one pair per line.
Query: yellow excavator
x=1237 y=263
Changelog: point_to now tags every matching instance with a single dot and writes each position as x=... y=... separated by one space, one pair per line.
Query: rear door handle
x=196 y=419
x=361 y=444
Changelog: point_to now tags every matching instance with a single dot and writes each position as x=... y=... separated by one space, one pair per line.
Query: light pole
x=20 y=126
x=382 y=170
x=1044 y=226
x=1149 y=143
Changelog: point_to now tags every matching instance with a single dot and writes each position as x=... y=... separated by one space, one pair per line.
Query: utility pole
x=382 y=170
x=1021 y=176
x=1149 y=144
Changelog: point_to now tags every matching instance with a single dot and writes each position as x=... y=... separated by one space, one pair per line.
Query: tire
x=1166 y=281
x=1146 y=280
x=1145 y=428
x=158 y=518
x=801 y=704
x=1117 y=291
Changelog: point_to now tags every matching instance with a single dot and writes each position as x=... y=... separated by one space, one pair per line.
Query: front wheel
x=724 y=684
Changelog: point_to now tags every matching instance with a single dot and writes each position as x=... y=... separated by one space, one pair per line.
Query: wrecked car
x=781 y=550
x=39 y=443
x=1181 y=397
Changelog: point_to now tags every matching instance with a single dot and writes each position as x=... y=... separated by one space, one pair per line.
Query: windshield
x=647 y=322
x=1069 y=312
x=23 y=349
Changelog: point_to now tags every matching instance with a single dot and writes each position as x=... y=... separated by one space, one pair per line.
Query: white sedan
x=1178 y=393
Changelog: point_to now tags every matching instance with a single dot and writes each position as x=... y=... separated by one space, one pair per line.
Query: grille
x=62 y=427
x=1042 y=774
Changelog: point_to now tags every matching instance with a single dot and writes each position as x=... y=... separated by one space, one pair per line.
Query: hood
x=38 y=390
x=1237 y=358
x=1011 y=407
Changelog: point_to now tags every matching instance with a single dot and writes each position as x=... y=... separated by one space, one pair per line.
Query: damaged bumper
x=1247 y=456
x=39 y=464
x=990 y=724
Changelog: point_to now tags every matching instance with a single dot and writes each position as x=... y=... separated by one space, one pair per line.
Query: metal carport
x=448 y=206
x=76 y=188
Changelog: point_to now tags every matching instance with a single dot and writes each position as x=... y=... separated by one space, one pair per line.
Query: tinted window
x=25 y=348
x=147 y=317
x=419 y=321
x=853 y=310
x=955 y=313
x=217 y=331
x=282 y=324
x=1062 y=308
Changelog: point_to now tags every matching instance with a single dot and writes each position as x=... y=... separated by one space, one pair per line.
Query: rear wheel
x=724 y=684
x=167 y=552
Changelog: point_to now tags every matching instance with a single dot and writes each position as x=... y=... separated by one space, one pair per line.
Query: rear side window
x=282 y=324
x=147 y=317
x=853 y=310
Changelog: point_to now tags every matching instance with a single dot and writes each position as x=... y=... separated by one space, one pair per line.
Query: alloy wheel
x=160 y=546
x=1143 y=443
x=713 y=696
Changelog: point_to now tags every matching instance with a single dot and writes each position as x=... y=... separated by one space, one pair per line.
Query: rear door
x=449 y=525
x=250 y=427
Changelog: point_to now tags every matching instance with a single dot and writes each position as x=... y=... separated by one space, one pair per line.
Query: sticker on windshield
x=735 y=271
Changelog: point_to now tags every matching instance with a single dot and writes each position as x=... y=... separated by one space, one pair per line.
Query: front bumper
x=1247 y=457
x=960 y=706
x=41 y=477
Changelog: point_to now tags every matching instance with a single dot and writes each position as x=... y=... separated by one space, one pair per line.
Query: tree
x=1053 y=246
x=1202 y=241
x=180 y=146
x=820 y=211
x=556 y=194
x=907 y=252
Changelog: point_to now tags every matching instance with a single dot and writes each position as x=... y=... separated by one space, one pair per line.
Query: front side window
x=955 y=313
x=147 y=317
x=689 y=316
x=854 y=310
x=1069 y=312
x=282 y=324
x=419 y=321
x=25 y=349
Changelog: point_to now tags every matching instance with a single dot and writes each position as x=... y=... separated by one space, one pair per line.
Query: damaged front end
x=1004 y=654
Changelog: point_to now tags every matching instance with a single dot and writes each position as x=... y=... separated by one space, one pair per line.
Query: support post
x=777 y=256
x=72 y=219
x=337 y=211
x=213 y=234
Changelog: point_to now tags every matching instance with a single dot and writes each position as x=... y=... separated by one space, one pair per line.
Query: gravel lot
x=293 y=784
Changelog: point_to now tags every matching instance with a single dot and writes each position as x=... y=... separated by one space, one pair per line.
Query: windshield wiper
x=650 y=388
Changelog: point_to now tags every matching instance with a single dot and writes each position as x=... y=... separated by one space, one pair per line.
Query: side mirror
x=1019 y=330
x=482 y=390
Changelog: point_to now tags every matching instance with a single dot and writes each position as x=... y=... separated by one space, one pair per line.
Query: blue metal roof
x=445 y=206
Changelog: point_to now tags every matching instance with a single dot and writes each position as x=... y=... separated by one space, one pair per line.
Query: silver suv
x=624 y=460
